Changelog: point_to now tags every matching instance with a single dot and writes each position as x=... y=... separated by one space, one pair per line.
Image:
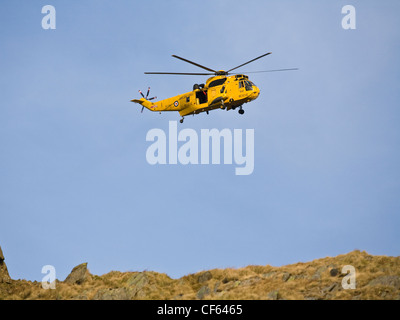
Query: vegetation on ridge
x=377 y=277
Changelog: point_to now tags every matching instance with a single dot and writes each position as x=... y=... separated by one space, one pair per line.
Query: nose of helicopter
x=255 y=93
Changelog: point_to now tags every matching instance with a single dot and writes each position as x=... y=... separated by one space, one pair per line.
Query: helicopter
x=224 y=90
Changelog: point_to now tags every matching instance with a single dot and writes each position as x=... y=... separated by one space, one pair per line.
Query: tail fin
x=145 y=103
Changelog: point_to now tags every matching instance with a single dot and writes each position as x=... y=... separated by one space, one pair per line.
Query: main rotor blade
x=194 y=63
x=291 y=69
x=182 y=73
x=249 y=61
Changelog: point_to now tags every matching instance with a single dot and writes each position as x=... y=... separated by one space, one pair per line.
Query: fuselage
x=221 y=91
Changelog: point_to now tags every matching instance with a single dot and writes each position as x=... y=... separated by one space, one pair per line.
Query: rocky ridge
x=376 y=277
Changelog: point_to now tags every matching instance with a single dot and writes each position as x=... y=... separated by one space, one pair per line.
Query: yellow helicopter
x=223 y=90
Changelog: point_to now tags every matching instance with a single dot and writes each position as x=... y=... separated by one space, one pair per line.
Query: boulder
x=269 y=274
x=317 y=275
x=138 y=281
x=112 y=294
x=137 y=284
x=204 y=277
x=286 y=276
x=4 y=276
x=250 y=281
x=330 y=288
x=204 y=291
x=387 y=281
x=78 y=275
x=273 y=295
x=334 y=272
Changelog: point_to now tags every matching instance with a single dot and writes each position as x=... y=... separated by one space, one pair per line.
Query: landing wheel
x=181 y=121
x=241 y=111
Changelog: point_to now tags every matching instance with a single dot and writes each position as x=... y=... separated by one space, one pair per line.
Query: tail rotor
x=146 y=97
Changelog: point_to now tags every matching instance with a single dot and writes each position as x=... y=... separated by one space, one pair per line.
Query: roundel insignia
x=176 y=103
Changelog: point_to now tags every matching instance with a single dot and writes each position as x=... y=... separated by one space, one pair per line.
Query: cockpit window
x=248 y=85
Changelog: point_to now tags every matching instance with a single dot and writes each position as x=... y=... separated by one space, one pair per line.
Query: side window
x=241 y=84
x=188 y=99
x=217 y=82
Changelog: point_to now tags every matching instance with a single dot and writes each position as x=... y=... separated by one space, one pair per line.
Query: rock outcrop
x=376 y=277
x=79 y=274
x=4 y=276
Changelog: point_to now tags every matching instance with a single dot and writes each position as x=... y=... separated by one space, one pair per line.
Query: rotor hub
x=221 y=73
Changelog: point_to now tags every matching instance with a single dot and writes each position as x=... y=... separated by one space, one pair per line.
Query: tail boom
x=146 y=103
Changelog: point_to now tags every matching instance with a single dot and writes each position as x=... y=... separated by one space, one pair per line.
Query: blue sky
x=74 y=182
